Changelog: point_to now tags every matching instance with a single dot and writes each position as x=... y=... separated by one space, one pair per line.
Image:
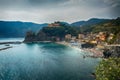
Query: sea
x=45 y=61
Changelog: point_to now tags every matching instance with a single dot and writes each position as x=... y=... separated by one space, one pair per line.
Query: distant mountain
x=92 y=21
x=17 y=28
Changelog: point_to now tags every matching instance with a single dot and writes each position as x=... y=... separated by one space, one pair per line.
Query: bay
x=45 y=61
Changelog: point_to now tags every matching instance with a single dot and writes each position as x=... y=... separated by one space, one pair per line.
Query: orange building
x=56 y=24
x=68 y=36
x=102 y=36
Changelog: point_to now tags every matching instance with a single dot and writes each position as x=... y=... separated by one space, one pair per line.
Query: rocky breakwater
x=6 y=45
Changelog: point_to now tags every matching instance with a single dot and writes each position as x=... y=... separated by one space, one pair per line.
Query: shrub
x=108 y=69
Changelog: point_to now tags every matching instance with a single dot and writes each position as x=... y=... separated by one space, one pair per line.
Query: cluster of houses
x=55 y=24
x=99 y=39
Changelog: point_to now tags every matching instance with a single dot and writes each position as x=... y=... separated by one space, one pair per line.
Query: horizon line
x=53 y=21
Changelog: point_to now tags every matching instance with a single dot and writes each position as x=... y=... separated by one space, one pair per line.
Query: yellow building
x=93 y=42
x=80 y=36
x=68 y=36
x=102 y=36
x=111 y=36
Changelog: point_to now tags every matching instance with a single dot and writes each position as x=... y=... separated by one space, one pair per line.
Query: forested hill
x=89 y=22
x=112 y=26
x=17 y=28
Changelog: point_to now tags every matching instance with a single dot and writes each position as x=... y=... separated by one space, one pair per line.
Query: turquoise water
x=45 y=61
x=11 y=39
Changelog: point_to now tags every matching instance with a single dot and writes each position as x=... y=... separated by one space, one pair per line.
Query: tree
x=108 y=69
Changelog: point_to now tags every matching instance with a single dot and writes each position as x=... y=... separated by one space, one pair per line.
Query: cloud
x=112 y=2
x=54 y=10
x=30 y=3
x=114 y=6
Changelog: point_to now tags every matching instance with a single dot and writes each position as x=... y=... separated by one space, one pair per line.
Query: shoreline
x=92 y=52
x=36 y=41
x=7 y=44
x=5 y=48
x=14 y=42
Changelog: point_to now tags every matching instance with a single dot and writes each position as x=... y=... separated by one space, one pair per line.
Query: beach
x=92 y=52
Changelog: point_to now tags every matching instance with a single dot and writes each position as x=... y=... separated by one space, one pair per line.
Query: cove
x=45 y=61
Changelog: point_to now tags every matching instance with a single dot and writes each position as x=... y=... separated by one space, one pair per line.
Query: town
x=94 y=42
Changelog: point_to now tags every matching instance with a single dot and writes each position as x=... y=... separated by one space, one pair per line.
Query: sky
x=47 y=11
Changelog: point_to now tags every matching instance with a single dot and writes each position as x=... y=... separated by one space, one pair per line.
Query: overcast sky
x=44 y=11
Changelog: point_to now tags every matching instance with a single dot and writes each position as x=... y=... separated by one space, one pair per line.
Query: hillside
x=112 y=26
x=17 y=29
x=58 y=30
x=90 y=22
x=53 y=32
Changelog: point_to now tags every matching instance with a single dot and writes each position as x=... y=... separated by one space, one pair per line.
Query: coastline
x=14 y=42
x=93 y=52
x=6 y=48
x=35 y=41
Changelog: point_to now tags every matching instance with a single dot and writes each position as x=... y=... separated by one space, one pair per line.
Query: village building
x=110 y=37
x=68 y=37
x=56 y=24
x=102 y=36
x=81 y=36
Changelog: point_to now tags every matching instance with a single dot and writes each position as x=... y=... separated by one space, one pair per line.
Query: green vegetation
x=108 y=69
x=112 y=26
x=60 y=31
x=51 y=33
